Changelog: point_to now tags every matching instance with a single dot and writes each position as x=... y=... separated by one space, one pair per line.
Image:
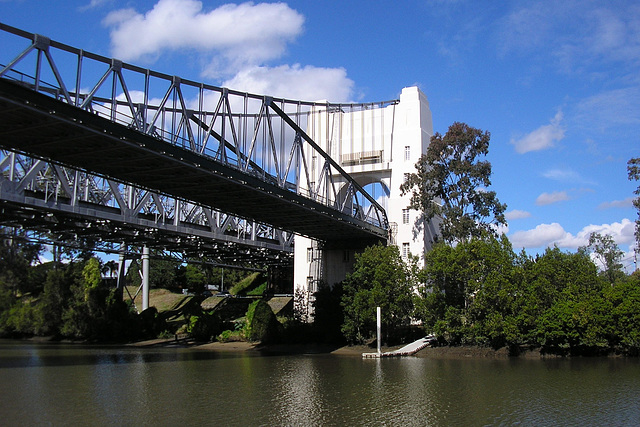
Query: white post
x=145 y=278
x=379 y=327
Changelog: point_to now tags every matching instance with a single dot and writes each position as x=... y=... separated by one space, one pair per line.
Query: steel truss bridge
x=95 y=149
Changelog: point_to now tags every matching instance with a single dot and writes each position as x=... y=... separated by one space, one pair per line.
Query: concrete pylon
x=145 y=278
x=375 y=145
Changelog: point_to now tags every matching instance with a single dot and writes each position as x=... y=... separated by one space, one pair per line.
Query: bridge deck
x=45 y=127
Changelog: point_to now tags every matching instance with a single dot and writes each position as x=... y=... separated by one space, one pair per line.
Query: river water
x=58 y=384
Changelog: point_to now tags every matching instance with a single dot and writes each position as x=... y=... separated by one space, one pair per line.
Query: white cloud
x=561 y=175
x=609 y=110
x=542 y=236
x=93 y=4
x=577 y=35
x=626 y=203
x=237 y=41
x=295 y=82
x=244 y=34
x=516 y=214
x=547 y=235
x=550 y=198
x=542 y=138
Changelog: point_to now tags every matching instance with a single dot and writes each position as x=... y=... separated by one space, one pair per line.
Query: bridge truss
x=128 y=154
x=58 y=204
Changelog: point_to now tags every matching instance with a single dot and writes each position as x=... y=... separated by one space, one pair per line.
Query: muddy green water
x=57 y=384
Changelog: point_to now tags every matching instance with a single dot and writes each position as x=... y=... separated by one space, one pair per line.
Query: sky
x=556 y=83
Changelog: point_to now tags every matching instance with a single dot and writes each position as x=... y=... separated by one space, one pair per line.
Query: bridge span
x=243 y=162
x=240 y=153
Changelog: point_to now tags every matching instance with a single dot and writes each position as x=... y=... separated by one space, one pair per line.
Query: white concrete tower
x=373 y=144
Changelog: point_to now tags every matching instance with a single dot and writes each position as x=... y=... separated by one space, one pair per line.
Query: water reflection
x=61 y=384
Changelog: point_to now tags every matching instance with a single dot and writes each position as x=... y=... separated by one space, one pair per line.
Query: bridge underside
x=92 y=227
x=42 y=126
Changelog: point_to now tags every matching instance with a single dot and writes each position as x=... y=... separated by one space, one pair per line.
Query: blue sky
x=556 y=83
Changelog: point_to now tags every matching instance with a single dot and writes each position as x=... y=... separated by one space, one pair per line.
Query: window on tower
x=405 y=216
x=405 y=250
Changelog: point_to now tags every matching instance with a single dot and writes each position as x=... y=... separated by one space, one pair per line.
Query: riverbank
x=459 y=352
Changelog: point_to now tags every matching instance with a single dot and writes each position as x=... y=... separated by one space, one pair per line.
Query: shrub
x=203 y=327
x=262 y=325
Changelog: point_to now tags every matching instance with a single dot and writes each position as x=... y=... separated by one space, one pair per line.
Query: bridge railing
x=258 y=135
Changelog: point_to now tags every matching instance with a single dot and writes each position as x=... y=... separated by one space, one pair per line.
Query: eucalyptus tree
x=608 y=254
x=633 y=167
x=451 y=184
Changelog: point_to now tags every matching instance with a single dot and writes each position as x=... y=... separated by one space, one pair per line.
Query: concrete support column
x=145 y=278
x=122 y=270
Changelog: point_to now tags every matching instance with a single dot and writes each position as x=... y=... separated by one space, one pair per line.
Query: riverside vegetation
x=474 y=290
x=478 y=293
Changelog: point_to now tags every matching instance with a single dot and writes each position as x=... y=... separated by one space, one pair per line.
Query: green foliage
x=466 y=294
x=54 y=300
x=162 y=273
x=633 y=168
x=95 y=312
x=196 y=277
x=380 y=279
x=16 y=257
x=624 y=298
x=262 y=325
x=204 y=326
x=258 y=291
x=21 y=319
x=74 y=303
x=451 y=184
x=250 y=282
x=481 y=293
x=608 y=254
x=225 y=336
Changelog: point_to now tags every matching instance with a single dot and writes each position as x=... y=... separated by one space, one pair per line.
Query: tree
x=16 y=256
x=451 y=183
x=608 y=254
x=633 y=167
x=380 y=279
x=467 y=291
x=195 y=277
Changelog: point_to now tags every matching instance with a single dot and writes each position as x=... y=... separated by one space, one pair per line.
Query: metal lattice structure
x=170 y=151
x=71 y=205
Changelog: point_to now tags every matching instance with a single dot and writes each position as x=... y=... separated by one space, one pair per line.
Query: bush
x=225 y=336
x=203 y=327
x=262 y=325
x=230 y=336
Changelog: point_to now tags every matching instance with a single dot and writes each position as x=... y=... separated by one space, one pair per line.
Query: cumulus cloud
x=237 y=42
x=550 y=198
x=547 y=235
x=542 y=138
x=516 y=214
x=244 y=34
x=295 y=82
x=542 y=236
